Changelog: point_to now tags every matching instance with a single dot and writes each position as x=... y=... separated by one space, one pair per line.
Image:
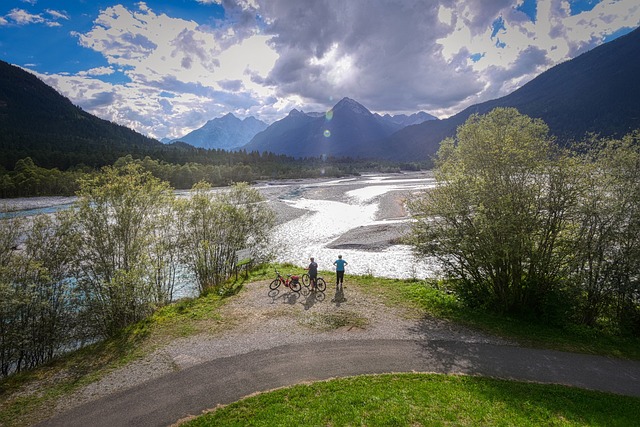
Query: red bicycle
x=291 y=282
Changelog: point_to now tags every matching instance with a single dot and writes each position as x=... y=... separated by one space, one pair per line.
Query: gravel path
x=265 y=319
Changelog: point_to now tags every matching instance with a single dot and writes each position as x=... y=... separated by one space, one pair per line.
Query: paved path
x=165 y=400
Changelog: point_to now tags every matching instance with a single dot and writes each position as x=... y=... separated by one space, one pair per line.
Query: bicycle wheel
x=295 y=286
x=321 y=285
x=274 y=285
x=305 y=280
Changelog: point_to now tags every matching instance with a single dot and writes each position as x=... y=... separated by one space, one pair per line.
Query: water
x=358 y=208
x=30 y=206
x=321 y=218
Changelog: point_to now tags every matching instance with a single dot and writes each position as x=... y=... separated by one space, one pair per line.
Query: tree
x=120 y=212
x=606 y=262
x=217 y=225
x=38 y=307
x=495 y=220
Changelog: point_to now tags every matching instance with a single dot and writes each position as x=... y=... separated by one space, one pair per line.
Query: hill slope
x=37 y=121
x=599 y=92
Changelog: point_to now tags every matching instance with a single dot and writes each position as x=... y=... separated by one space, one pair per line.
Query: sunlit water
x=326 y=220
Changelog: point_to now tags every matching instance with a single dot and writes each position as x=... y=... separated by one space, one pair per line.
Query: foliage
x=27 y=179
x=493 y=221
x=89 y=272
x=122 y=270
x=526 y=229
x=606 y=264
x=217 y=225
x=38 y=319
x=217 y=167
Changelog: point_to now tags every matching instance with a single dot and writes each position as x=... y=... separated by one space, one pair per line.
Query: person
x=340 y=263
x=313 y=273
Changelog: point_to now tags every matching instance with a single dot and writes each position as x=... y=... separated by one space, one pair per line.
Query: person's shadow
x=311 y=298
x=339 y=296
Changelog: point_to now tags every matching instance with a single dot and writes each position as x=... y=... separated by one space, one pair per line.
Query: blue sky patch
x=115 y=78
x=497 y=26
x=621 y=32
x=529 y=8
x=579 y=6
x=476 y=57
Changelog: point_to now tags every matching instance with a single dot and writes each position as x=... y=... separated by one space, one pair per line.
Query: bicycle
x=321 y=285
x=292 y=282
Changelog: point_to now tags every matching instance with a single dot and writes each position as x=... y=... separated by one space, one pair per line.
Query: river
x=360 y=218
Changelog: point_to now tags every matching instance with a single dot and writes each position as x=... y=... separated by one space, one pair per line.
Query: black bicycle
x=321 y=285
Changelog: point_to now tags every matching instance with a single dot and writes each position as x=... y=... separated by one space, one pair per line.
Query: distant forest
x=182 y=167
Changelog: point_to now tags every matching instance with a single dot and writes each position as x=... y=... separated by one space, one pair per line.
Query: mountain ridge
x=227 y=132
x=36 y=121
x=345 y=130
x=598 y=92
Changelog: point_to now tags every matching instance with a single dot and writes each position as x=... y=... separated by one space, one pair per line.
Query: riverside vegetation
x=85 y=273
x=537 y=243
x=217 y=167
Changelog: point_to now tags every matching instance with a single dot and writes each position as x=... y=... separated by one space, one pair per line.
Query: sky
x=164 y=68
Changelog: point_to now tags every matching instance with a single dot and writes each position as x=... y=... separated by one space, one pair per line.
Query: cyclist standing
x=313 y=273
x=340 y=263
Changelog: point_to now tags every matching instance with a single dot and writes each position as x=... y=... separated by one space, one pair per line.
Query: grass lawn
x=426 y=400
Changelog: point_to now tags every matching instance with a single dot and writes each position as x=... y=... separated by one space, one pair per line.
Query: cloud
x=266 y=57
x=98 y=71
x=97 y=100
x=207 y=70
x=384 y=54
x=57 y=15
x=21 y=17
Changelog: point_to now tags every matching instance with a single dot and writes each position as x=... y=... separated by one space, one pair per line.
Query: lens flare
x=327 y=133
x=329 y=115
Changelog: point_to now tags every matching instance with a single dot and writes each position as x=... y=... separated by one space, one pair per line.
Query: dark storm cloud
x=390 y=48
x=97 y=100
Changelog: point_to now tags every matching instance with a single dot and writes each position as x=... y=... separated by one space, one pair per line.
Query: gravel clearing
x=263 y=319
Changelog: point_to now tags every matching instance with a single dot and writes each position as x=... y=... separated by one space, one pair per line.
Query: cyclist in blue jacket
x=340 y=264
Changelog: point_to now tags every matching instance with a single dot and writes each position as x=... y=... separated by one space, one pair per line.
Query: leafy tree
x=217 y=225
x=495 y=220
x=606 y=264
x=119 y=213
x=37 y=300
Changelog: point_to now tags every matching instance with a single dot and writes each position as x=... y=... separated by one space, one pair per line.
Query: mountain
x=227 y=133
x=402 y=120
x=347 y=130
x=38 y=122
x=598 y=91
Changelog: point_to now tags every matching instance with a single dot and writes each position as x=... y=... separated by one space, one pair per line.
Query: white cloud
x=22 y=17
x=57 y=15
x=176 y=66
x=98 y=71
